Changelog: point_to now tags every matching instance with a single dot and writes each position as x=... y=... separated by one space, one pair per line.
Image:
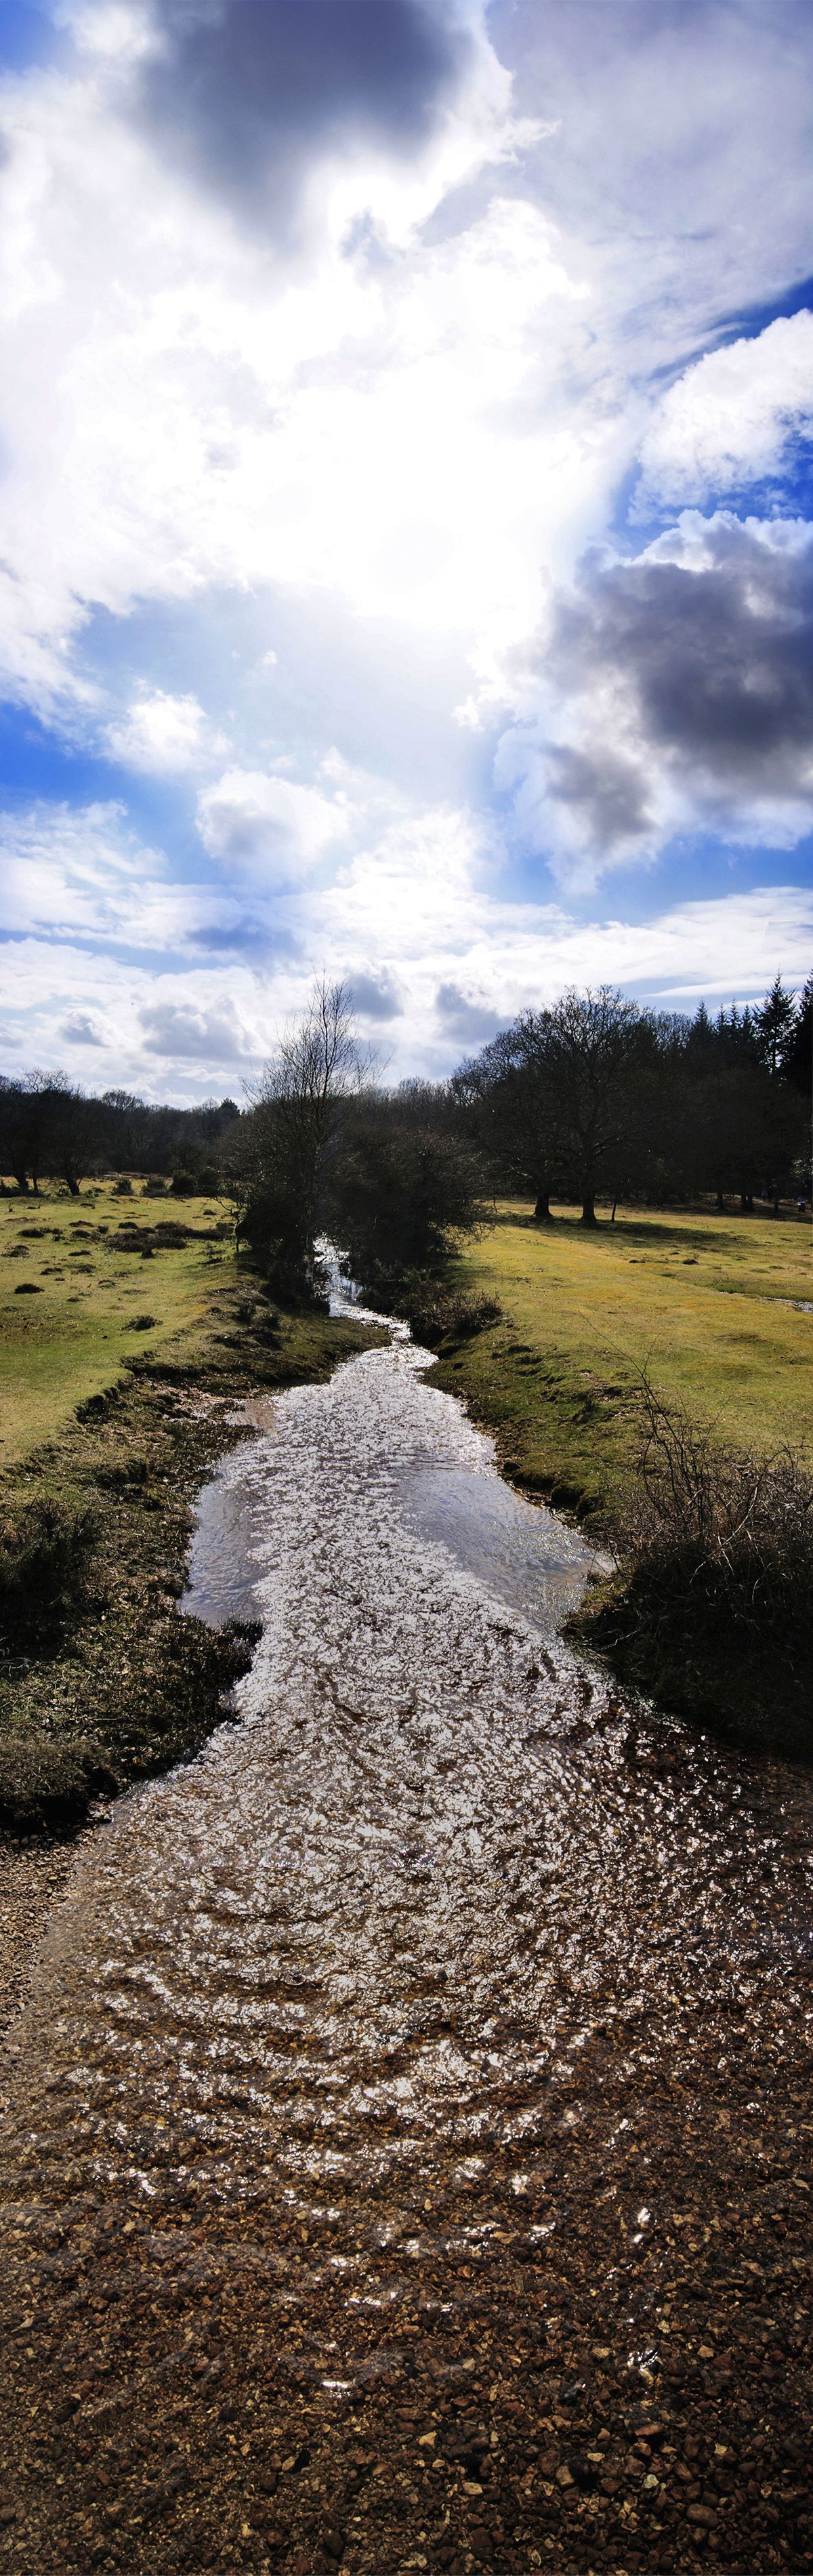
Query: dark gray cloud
x=609 y=793
x=249 y=91
x=376 y=996
x=708 y=672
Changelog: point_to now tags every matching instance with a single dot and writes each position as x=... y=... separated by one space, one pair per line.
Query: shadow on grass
x=659 y=1231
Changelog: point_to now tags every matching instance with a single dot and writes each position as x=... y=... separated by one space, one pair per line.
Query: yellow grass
x=73 y=1339
x=704 y=1302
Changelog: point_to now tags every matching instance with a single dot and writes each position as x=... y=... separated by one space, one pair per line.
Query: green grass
x=704 y=1304
x=82 y=1325
x=696 y=1299
x=108 y=1433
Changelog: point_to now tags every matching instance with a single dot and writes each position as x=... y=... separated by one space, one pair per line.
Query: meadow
x=710 y=1306
x=89 y=1284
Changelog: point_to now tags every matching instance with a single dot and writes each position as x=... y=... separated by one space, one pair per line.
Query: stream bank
x=106 y=1685
x=406 y=2136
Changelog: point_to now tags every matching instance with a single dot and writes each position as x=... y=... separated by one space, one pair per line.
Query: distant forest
x=592 y=1099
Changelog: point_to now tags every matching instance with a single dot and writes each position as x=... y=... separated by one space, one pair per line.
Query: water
x=521 y=1553
x=439 y=1918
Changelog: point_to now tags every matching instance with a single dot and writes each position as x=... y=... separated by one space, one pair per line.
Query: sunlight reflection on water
x=439 y=1869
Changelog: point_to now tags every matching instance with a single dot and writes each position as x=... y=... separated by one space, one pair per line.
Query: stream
x=370 y=2053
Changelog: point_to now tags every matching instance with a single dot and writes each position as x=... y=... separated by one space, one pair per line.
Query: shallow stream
x=439 y=1898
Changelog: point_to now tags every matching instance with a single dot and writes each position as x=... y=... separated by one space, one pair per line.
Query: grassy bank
x=703 y=1303
x=101 y=1682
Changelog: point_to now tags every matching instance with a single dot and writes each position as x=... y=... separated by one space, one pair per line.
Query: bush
x=434 y=1312
x=711 y=1607
x=400 y=1195
x=42 y=1559
x=718 y=1536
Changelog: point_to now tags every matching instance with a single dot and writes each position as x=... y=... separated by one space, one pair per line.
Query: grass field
x=85 y=1287
x=704 y=1302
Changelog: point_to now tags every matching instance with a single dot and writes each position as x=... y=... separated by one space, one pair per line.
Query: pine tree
x=796 y=1056
x=774 y=1025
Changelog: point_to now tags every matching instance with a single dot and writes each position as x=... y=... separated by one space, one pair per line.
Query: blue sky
x=406 y=483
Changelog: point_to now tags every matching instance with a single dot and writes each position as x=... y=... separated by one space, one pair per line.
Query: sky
x=406 y=488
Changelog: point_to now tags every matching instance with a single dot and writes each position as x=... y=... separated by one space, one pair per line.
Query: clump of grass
x=43 y=1554
x=713 y=1603
x=437 y=1314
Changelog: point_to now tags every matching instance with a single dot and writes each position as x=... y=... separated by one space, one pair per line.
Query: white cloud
x=454 y=958
x=178 y=410
x=162 y=734
x=80 y=1030
x=179 y=1029
x=406 y=423
x=269 y=827
x=728 y=420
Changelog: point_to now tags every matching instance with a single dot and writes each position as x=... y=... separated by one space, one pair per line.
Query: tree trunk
x=588 y=1216
x=720 y=1203
x=542 y=1214
x=612 y=1211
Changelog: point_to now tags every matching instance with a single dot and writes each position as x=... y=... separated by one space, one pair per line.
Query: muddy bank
x=407 y=2138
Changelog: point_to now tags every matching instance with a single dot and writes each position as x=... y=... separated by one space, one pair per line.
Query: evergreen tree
x=774 y=1024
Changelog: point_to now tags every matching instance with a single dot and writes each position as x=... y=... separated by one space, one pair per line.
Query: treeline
x=50 y=1129
x=593 y=1098
x=597 y=1097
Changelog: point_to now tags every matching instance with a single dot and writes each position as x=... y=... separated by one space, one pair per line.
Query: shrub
x=434 y=1312
x=42 y=1558
x=717 y=1537
x=400 y=1195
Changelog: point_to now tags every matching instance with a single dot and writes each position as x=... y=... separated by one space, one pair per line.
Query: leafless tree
x=291 y=1128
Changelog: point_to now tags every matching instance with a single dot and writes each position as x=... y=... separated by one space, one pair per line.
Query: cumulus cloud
x=684 y=698
x=160 y=733
x=178 y=1029
x=269 y=826
x=728 y=420
x=80 y=1030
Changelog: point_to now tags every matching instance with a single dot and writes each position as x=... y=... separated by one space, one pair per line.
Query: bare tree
x=291 y=1131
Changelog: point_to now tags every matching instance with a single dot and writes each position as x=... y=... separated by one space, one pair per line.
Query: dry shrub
x=717 y=1543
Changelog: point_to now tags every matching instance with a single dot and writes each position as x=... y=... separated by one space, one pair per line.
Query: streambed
x=386 y=2038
